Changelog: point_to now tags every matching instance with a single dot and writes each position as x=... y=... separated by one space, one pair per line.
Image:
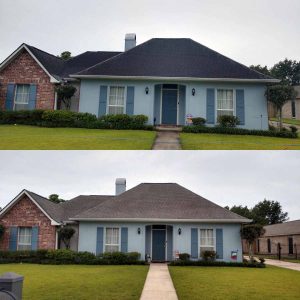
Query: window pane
x=224 y=103
x=112 y=240
x=116 y=100
x=115 y=110
x=207 y=238
x=22 y=94
x=24 y=238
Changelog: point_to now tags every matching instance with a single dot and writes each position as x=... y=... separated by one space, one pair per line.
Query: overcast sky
x=224 y=177
x=249 y=31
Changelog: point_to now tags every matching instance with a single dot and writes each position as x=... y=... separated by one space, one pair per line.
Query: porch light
x=147 y=90
x=139 y=230
x=193 y=92
x=179 y=231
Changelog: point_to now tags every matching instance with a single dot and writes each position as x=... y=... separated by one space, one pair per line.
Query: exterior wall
x=26 y=214
x=256 y=114
x=25 y=70
x=74 y=239
x=181 y=243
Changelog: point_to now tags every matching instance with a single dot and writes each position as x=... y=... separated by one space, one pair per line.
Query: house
x=164 y=79
x=155 y=219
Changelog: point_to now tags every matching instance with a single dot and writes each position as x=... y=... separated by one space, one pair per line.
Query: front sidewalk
x=283 y=264
x=158 y=284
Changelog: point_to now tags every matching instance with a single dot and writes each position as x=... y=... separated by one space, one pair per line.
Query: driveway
x=283 y=264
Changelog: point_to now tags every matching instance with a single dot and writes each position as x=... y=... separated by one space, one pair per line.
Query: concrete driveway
x=283 y=264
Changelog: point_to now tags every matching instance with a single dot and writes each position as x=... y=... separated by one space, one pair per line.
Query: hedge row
x=239 y=131
x=59 y=257
x=204 y=263
x=62 y=118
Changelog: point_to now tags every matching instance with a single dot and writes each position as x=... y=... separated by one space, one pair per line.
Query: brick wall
x=26 y=213
x=25 y=70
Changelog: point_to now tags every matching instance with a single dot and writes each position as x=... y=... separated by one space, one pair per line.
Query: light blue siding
x=10 y=95
x=219 y=243
x=240 y=106
x=210 y=106
x=99 y=241
x=35 y=238
x=124 y=239
x=32 y=97
x=13 y=238
x=102 y=101
x=130 y=101
x=194 y=243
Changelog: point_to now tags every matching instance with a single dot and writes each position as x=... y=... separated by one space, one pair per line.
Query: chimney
x=130 y=41
x=120 y=186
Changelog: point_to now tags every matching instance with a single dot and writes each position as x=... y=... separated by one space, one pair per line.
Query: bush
x=184 y=256
x=2 y=230
x=23 y=117
x=262 y=260
x=198 y=121
x=181 y=263
x=208 y=255
x=238 y=131
x=294 y=129
x=228 y=121
x=272 y=128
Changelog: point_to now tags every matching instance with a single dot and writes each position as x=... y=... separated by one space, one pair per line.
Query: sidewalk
x=283 y=264
x=158 y=284
x=167 y=140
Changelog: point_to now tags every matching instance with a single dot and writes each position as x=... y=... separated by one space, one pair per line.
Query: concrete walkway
x=159 y=285
x=283 y=264
x=167 y=139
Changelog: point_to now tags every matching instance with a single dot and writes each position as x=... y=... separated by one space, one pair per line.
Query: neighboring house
x=165 y=79
x=290 y=110
x=155 y=219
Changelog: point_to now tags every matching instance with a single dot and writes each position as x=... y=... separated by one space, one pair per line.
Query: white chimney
x=130 y=41
x=120 y=186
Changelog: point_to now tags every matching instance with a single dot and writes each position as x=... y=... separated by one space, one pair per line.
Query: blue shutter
x=10 y=95
x=194 y=243
x=32 y=97
x=182 y=92
x=219 y=243
x=124 y=239
x=210 y=106
x=99 y=242
x=13 y=237
x=102 y=101
x=240 y=106
x=157 y=101
x=34 y=238
x=130 y=100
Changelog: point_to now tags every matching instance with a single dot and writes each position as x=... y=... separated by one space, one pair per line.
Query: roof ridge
x=59 y=58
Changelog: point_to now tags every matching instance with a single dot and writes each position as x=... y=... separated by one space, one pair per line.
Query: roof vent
x=130 y=41
x=120 y=186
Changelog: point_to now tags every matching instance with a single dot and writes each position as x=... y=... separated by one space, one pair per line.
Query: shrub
x=59 y=118
x=228 y=121
x=198 y=121
x=209 y=263
x=61 y=256
x=184 y=256
x=294 y=129
x=208 y=255
x=262 y=260
x=85 y=258
x=272 y=128
x=2 y=230
x=24 y=117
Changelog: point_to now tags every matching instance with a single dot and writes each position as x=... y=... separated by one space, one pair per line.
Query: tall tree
x=288 y=71
x=55 y=198
x=65 y=55
x=264 y=70
x=243 y=211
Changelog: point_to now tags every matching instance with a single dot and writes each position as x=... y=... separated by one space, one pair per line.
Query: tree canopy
x=65 y=234
x=64 y=93
x=55 y=198
x=65 y=55
x=264 y=70
x=288 y=71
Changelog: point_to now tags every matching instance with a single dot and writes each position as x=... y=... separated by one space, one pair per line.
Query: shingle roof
x=288 y=228
x=173 y=58
x=159 y=201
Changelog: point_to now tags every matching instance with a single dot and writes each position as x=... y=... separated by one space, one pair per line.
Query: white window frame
x=15 y=94
x=108 y=97
x=19 y=234
x=119 y=238
x=216 y=101
x=208 y=246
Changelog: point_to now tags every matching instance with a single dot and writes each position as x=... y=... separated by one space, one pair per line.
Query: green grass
x=287 y=121
x=21 y=137
x=203 y=141
x=45 y=282
x=235 y=283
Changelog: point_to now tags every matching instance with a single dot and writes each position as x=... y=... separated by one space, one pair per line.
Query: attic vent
x=130 y=41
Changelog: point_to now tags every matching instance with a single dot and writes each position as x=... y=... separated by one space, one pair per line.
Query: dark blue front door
x=169 y=107
x=158 y=245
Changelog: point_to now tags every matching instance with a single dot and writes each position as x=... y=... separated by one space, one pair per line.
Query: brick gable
x=26 y=214
x=25 y=70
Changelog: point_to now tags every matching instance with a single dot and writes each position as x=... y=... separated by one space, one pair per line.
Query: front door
x=159 y=245
x=169 y=106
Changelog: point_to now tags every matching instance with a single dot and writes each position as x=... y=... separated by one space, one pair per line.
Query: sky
x=224 y=177
x=249 y=31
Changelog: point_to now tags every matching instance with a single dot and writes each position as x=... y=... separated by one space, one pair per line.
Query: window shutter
x=13 y=238
x=240 y=106
x=124 y=239
x=210 y=106
x=194 y=243
x=157 y=100
x=130 y=100
x=99 y=243
x=10 y=94
x=34 y=238
x=219 y=243
x=102 y=101
x=32 y=97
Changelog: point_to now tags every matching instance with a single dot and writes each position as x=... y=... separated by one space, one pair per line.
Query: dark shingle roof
x=173 y=58
x=159 y=201
x=288 y=228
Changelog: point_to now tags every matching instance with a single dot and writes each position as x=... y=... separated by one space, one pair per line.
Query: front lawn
x=287 y=121
x=20 y=137
x=235 y=283
x=206 y=141
x=45 y=282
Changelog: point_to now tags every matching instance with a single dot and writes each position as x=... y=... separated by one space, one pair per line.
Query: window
x=269 y=245
x=116 y=101
x=24 y=238
x=112 y=240
x=293 y=109
x=207 y=240
x=22 y=97
x=225 y=103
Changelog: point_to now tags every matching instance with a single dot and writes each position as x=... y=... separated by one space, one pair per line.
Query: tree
x=243 y=211
x=268 y=212
x=2 y=230
x=250 y=233
x=288 y=71
x=279 y=95
x=55 y=198
x=65 y=55
x=64 y=93
x=258 y=68
x=65 y=234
